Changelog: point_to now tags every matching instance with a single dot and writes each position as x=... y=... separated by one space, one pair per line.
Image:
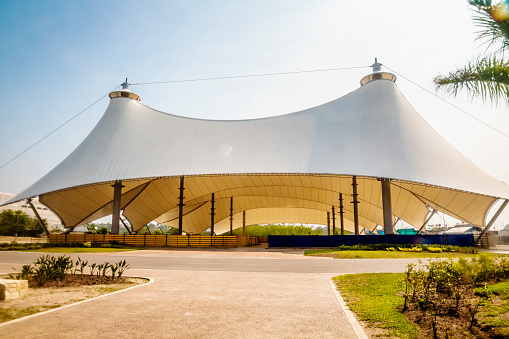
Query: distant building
x=44 y=212
x=502 y=231
x=464 y=229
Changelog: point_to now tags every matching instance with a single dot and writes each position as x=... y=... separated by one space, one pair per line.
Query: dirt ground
x=54 y=295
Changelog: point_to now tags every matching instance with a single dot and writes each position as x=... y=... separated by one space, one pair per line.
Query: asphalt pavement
x=208 y=293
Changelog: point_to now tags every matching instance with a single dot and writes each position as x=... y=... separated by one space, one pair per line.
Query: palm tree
x=487 y=77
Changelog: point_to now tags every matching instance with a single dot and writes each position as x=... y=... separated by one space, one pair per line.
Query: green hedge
x=36 y=246
x=423 y=247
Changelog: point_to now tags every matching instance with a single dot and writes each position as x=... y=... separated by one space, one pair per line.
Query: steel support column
x=158 y=226
x=212 y=214
x=492 y=221
x=387 y=205
x=148 y=229
x=328 y=223
x=355 y=203
x=117 y=195
x=231 y=215
x=181 y=203
x=244 y=223
x=39 y=219
x=333 y=221
x=427 y=220
x=123 y=223
x=341 y=213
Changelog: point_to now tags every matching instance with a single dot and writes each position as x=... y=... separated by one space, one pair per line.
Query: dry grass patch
x=39 y=299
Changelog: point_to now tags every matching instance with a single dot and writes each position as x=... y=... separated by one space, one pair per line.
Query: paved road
x=282 y=261
x=255 y=293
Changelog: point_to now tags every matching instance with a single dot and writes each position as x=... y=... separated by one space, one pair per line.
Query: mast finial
x=377 y=74
x=125 y=85
x=377 y=67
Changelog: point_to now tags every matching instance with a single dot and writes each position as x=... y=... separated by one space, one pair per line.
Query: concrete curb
x=151 y=280
x=349 y=315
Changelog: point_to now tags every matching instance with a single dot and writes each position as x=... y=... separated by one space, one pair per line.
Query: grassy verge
x=83 y=249
x=445 y=297
x=355 y=254
x=20 y=312
x=374 y=298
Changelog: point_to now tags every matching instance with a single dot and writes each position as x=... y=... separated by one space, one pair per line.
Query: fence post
x=188 y=235
x=166 y=243
x=144 y=239
x=104 y=238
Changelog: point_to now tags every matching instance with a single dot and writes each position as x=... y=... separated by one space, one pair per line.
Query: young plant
x=113 y=269
x=122 y=266
x=104 y=269
x=93 y=266
x=82 y=266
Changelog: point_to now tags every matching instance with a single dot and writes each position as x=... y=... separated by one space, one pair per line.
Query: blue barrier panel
x=350 y=240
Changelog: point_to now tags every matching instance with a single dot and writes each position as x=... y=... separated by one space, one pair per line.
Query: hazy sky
x=58 y=57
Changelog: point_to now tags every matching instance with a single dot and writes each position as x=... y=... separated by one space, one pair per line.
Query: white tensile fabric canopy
x=289 y=168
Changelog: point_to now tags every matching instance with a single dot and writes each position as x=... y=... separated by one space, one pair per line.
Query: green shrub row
x=35 y=246
x=408 y=248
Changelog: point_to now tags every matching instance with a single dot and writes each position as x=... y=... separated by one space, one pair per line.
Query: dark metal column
x=387 y=205
x=117 y=194
x=212 y=214
x=328 y=223
x=39 y=219
x=427 y=220
x=492 y=221
x=148 y=230
x=123 y=223
x=231 y=215
x=181 y=203
x=341 y=212
x=333 y=221
x=244 y=223
x=355 y=203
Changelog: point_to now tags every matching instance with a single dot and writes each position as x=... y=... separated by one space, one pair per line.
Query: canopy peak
x=377 y=74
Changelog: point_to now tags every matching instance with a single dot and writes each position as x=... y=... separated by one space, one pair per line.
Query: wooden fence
x=159 y=240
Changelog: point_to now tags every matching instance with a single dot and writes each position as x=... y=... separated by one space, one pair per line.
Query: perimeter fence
x=466 y=240
x=165 y=240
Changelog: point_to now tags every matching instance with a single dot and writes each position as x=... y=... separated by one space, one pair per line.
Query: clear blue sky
x=58 y=57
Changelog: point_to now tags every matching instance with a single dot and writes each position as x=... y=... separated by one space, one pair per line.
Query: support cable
x=56 y=129
x=453 y=105
x=248 y=76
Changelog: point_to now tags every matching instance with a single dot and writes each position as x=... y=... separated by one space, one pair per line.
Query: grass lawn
x=356 y=254
x=374 y=299
x=83 y=249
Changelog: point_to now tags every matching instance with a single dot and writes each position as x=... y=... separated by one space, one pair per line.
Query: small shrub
x=434 y=249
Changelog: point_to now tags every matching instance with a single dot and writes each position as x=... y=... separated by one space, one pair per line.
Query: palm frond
x=487 y=78
x=492 y=31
